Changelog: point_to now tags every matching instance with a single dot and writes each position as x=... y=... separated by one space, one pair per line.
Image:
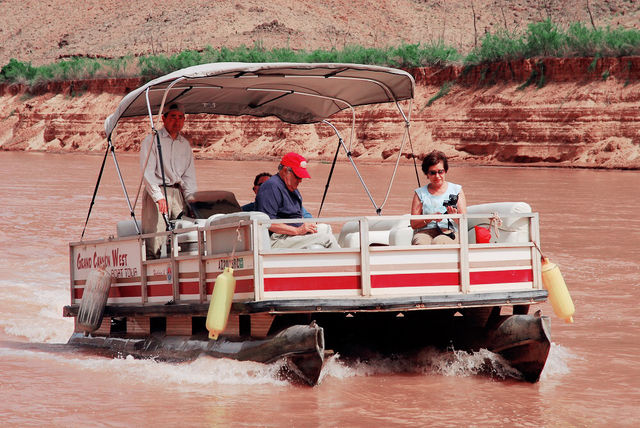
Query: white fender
x=94 y=300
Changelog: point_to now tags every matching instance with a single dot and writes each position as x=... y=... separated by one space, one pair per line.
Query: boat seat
x=226 y=240
x=207 y=203
x=127 y=228
x=380 y=231
x=513 y=229
x=188 y=241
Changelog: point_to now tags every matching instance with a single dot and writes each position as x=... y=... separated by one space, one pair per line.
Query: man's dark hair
x=259 y=176
x=432 y=159
x=173 y=106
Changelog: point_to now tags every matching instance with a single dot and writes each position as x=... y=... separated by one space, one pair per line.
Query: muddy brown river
x=589 y=226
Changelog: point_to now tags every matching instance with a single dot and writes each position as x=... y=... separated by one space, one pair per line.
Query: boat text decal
x=234 y=263
x=116 y=262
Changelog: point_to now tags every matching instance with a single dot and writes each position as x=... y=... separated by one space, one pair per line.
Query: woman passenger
x=437 y=197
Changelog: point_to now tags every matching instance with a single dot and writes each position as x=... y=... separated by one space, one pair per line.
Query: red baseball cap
x=297 y=163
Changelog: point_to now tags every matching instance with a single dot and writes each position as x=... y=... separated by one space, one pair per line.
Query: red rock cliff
x=565 y=112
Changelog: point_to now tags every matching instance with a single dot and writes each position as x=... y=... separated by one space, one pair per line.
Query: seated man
x=279 y=197
x=257 y=182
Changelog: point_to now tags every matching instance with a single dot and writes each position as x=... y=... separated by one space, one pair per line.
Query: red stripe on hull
x=160 y=290
x=126 y=291
x=416 y=280
x=499 y=277
x=189 y=288
x=242 y=286
x=312 y=283
x=129 y=291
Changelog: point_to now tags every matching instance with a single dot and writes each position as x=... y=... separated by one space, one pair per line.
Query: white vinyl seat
x=226 y=240
x=188 y=241
x=380 y=232
x=513 y=229
x=127 y=228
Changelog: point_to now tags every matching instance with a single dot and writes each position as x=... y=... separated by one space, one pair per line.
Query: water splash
x=188 y=376
x=203 y=371
x=427 y=361
x=558 y=362
x=40 y=319
x=463 y=363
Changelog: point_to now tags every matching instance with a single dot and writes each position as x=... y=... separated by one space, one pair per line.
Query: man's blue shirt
x=251 y=206
x=275 y=200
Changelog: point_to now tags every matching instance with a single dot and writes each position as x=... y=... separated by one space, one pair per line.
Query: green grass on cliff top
x=540 y=39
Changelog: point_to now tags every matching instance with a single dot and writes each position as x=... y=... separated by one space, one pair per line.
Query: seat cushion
x=226 y=240
x=128 y=228
x=513 y=229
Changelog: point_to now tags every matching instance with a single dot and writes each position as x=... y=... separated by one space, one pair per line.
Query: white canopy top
x=294 y=92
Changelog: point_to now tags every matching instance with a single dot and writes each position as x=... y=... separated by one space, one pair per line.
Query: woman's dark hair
x=432 y=159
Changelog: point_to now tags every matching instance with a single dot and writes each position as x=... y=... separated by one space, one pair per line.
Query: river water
x=589 y=226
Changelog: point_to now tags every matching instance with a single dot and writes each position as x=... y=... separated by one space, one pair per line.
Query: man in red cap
x=279 y=197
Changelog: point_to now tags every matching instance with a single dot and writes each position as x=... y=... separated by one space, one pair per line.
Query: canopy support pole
x=165 y=216
x=110 y=148
x=333 y=165
x=95 y=190
x=124 y=187
x=415 y=166
x=355 y=167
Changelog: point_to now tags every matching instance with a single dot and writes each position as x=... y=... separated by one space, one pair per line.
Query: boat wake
x=432 y=361
x=210 y=371
x=39 y=319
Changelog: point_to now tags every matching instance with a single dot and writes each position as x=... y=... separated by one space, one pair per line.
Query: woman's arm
x=416 y=209
x=462 y=202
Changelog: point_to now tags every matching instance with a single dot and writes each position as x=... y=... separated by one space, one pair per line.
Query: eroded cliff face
x=563 y=112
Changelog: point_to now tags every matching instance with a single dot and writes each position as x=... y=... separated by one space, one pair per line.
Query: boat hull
x=302 y=347
x=523 y=341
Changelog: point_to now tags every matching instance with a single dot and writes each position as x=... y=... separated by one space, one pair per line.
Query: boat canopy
x=296 y=93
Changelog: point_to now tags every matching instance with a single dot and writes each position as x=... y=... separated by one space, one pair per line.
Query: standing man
x=279 y=197
x=179 y=176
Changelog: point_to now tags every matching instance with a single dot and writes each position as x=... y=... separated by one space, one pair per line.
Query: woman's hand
x=452 y=210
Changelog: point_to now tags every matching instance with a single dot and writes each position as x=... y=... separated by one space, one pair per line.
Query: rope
x=539 y=250
x=495 y=222
x=238 y=239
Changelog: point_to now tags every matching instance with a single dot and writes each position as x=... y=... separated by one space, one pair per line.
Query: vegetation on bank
x=540 y=39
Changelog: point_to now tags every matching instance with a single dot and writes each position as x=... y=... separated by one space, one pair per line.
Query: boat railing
x=368 y=267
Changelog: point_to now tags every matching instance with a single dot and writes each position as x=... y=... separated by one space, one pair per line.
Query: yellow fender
x=220 y=305
x=558 y=292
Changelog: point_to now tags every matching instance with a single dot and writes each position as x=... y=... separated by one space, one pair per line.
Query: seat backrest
x=226 y=240
x=127 y=228
x=207 y=203
x=513 y=229
x=379 y=231
x=188 y=241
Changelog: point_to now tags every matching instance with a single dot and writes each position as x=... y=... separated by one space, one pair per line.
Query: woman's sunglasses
x=440 y=171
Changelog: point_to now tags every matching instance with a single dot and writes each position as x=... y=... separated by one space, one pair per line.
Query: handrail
x=252 y=250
